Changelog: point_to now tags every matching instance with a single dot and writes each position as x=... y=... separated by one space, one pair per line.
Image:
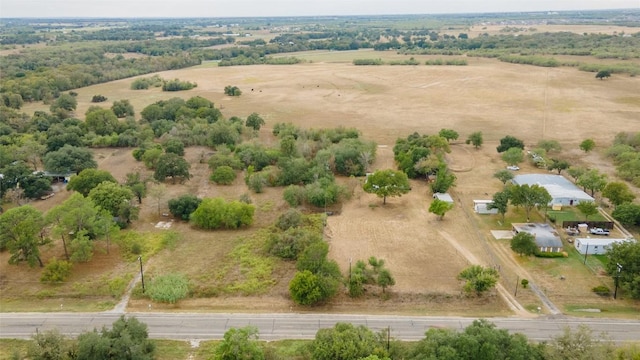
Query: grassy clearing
x=570 y=214
x=170 y=350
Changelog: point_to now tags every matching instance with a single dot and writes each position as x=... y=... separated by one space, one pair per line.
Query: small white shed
x=480 y=207
x=595 y=246
x=443 y=197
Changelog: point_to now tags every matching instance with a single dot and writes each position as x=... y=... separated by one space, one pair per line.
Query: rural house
x=547 y=239
x=562 y=191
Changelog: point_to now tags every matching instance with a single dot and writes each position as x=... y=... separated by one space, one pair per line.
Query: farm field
x=384 y=103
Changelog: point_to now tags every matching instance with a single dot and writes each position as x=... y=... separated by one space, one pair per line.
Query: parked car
x=513 y=167
x=599 y=231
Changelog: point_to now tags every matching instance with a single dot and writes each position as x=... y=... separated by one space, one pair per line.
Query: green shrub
x=224 y=175
x=216 y=214
x=56 y=271
x=177 y=85
x=550 y=254
x=601 y=290
x=294 y=195
x=168 y=288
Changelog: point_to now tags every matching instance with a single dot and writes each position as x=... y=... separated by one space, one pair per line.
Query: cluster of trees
x=525 y=195
x=128 y=338
x=372 y=272
x=99 y=207
x=480 y=340
x=423 y=155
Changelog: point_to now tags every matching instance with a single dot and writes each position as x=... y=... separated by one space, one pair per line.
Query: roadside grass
x=9 y=348
x=172 y=349
x=281 y=349
x=625 y=309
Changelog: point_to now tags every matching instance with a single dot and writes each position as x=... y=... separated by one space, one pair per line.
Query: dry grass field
x=384 y=103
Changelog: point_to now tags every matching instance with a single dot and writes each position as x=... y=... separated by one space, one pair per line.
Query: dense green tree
x=224 y=132
x=618 y=193
x=475 y=139
x=440 y=208
x=429 y=165
x=503 y=175
x=500 y=202
x=240 y=344
x=592 y=180
x=549 y=145
x=110 y=196
x=603 y=74
x=480 y=340
x=509 y=142
x=122 y=108
x=254 y=121
x=627 y=214
x=81 y=247
x=232 y=90
x=346 y=342
x=20 y=233
x=478 y=279
x=558 y=165
x=385 y=279
x=223 y=175
x=385 y=183
x=348 y=159
x=524 y=243
x=128 y=339
x=529 y=197
x=64 y=102
x=183 y=206
x=627 y=254
x=449 y=134
x=31 y=152
x=174 y=146
x=101 y=121
x=445 y=179
x=513 y=156
x=216 y=213
x=172 y=165
x=587 y=145
x=88 y=179
x=306 y=288
x=151 y=157
x=35 y=185
x=587 y=208
x=69 y=159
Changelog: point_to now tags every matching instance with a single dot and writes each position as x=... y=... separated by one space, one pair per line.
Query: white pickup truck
x=599 y=231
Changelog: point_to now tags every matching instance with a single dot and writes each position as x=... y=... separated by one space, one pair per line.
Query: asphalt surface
x=205 y=326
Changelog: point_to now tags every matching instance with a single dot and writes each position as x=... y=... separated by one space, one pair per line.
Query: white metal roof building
x=562 y=191
x=444 y=197
x=595 y=246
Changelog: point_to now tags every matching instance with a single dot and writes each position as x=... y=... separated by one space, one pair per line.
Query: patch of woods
x=43 y=74
x=128 y=339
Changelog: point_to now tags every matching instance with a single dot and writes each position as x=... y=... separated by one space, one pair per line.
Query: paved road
x=184 y=326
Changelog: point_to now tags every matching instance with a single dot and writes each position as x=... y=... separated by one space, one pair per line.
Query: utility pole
x=615 y=293
x=141 y=273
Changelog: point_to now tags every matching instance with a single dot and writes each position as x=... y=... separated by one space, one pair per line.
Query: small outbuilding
x=546 y=238
x=443 y=197
x=480 y=207
x=596 y=246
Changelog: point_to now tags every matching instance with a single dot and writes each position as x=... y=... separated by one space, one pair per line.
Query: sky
x=259 y=8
